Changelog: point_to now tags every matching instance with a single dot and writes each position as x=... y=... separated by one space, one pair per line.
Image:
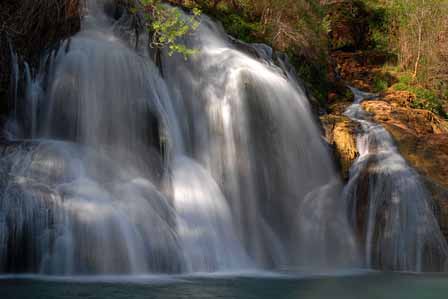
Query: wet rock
x=440 y=197
x=340 y=134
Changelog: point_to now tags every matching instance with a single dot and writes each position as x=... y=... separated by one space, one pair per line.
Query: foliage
x=241 y=28
x=379 y=84
x=419 y=24
x=167 y=25
x=416 y=31
x=380 y=27
x=313 y=74
x=424 y=98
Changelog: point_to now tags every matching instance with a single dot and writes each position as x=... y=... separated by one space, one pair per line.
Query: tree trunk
x=419 y=51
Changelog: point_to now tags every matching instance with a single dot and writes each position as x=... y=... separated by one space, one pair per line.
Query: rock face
x=340 y=134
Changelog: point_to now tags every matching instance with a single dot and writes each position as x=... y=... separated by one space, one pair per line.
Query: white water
x=249 y=124
x=390 y=206
x=218 y=166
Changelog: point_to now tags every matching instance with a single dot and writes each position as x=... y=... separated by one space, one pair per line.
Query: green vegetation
x=241 y=28
x=167 y=25
x=416 y=31
x=380 y=84
x=424 y=98
x=379 y=24
x=314 y=76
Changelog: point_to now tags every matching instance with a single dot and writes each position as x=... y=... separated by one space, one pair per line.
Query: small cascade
x=390 y=206
x=218 y=165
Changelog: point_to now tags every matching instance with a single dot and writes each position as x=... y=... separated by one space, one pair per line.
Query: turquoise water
x=347 y=286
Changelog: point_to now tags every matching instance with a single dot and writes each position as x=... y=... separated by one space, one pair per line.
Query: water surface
x=343 y=285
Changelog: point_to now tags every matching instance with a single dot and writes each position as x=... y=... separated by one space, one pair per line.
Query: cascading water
x=85 y=195
x=249 y=124
x=391 y=208
x=244 y=180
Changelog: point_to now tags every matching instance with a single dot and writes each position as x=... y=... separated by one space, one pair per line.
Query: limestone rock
x=340 y=133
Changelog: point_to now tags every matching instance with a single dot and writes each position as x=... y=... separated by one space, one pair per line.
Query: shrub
x=424 y=98
x=166 y=25
x=240 y=28
x=379 y=84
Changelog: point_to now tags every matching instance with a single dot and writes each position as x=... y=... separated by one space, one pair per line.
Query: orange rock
x=340 y=133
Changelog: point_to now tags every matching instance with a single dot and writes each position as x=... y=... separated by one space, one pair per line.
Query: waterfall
x=218 y=165
x=247 y=121
x=390 y=205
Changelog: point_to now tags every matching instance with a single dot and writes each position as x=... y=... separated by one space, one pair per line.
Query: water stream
x=390 y=206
